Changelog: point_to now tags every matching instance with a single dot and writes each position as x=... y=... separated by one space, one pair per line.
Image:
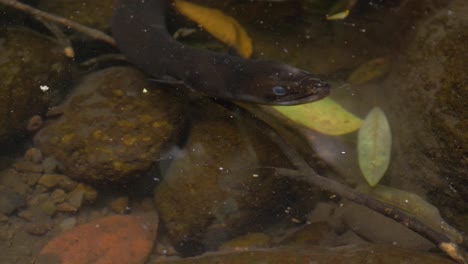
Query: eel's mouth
x=312 y=89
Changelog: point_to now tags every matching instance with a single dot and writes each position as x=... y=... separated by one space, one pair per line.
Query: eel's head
x=274 y=83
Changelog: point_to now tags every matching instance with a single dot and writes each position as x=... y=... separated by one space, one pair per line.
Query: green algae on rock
x=28 y=61
x=113 y=127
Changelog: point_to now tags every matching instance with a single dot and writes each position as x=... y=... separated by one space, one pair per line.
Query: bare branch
x=93 y=33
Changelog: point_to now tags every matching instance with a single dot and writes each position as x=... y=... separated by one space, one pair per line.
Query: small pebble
x=38 y=229
x=50 y=165
x=3 y=218
x=34 y=123
x=76 y=198
x=51 y=180
x=10 y=201
x=32 y=178
x=58 y=196
x=90 y=194
x=120 y=205
x=68 y=223
x=33 y=155
x=26 y=215
x=68 y=184
x=48 y=208
x=66 y=208
x=28 y=166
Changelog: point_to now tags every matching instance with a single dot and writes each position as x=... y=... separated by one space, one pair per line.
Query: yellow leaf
x=374 y=146
x=218 y=24
x=324 y=116
x=369 y=71
x=339 y=16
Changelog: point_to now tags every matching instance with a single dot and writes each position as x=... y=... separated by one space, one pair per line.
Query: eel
x=139 y=28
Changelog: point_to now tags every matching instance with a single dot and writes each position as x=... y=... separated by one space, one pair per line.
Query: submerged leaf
x=418 y=207
x=218 y=24
x=340 y=9
x=374 y=146
x=324 y=116
x=369 y=71
x=339 y=16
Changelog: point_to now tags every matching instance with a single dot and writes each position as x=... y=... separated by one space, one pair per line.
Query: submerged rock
x=429 y=103
x=28 y=61
x=222 y=185
x=113 y=127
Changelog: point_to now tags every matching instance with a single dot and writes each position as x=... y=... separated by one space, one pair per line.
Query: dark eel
x=139 y=29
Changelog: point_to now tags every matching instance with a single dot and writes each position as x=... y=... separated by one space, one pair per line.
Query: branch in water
x=91 y=32
x=307 y=174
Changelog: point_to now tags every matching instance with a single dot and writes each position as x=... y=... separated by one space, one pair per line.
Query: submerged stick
x=307 y=174
x=93 y=33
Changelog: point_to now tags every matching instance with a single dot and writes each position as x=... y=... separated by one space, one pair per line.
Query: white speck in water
x=363 y=30
x=394 y=243
x=44 y=88
x=450 y=12
x=285 y=50
x=145 y=90
x=343 y=152
x=406 y=201
x=255 y=175
x=221 y=168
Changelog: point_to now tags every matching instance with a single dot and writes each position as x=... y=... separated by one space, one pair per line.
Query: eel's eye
x=279 y=90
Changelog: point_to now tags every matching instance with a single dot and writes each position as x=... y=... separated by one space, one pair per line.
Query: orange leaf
x=218 y=24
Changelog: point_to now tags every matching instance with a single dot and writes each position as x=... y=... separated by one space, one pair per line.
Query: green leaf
x=325 y=116
x=374 y=146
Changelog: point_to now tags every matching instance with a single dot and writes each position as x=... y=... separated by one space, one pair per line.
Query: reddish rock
x=114 y=239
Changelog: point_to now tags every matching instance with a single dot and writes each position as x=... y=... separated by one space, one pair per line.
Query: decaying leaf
x=324 y=116
x=374 y=146
x=218 y=24
x=339 y=16
x=340 y=9
x=418 y=207
x=369 y=71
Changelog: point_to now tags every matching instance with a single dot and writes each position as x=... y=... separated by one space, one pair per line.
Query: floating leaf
x=374 y=146
x=369 y=71
x=218 y=24
x=418 y=207
x=324 y=116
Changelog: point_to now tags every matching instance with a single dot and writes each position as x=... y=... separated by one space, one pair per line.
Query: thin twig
x=94 y=33
x=308 y=174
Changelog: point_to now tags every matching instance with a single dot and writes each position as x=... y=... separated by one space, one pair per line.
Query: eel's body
x=139 y=28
